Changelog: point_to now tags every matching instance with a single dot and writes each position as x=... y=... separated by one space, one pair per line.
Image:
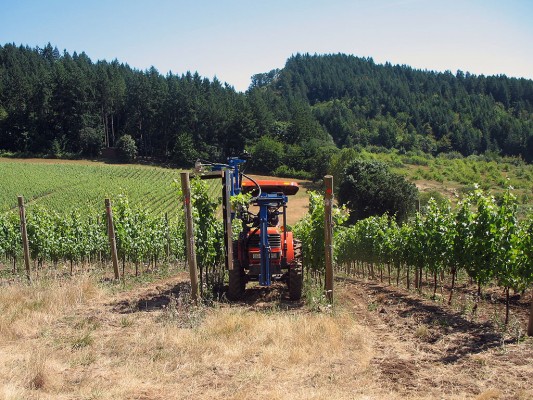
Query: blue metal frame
x=233 y=170
x=264 y=201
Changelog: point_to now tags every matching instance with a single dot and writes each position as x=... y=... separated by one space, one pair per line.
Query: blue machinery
x=267 y=203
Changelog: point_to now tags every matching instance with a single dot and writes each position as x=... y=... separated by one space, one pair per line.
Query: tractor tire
x=296 y=282
x=296 y=275
x=297 y=250
x=237 y=283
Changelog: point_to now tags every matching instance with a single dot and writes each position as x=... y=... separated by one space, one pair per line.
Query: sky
x=235 y=39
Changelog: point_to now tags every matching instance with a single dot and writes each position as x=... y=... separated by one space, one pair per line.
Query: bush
x=91 y=141
x=287 y=172
x=267 y=155
x=368 y=188
x=127 y=149
x=184 y=153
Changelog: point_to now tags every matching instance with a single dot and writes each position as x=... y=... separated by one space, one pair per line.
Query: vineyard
x=66 y=186
x=481 y=238
x=381 y=340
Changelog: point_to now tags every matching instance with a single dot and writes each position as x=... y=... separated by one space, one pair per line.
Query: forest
x=56 y=104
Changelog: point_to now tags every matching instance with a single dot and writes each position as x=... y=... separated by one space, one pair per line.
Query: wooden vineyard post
x=24 y=232
x=328 y=235
x=189 y=235
x=111 y=235
x=530 y=324
x=226 y=215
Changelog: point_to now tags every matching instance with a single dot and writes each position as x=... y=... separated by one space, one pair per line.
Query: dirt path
x=423 y=347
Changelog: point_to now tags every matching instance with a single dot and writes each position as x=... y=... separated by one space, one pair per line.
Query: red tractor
x=265 y=250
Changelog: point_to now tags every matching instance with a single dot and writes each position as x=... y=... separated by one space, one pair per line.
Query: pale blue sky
x=234 y=39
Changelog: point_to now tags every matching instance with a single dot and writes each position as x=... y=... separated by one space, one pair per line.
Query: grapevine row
x=78 y=236
x=481 y=236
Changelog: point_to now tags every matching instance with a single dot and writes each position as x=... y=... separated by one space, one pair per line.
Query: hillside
x=66 y=105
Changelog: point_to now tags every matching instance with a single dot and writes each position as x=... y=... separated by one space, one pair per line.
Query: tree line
x=59 y=104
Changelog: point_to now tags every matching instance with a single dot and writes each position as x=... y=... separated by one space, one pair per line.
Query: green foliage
x=208 y=230
x=480 y=236
x=127 y=149
x=82 y=235
x=184 y=153
x=10 y=237
x=67 y=186
x=66 y=105
x=310 y=230
x=425 y=197
x=91 y=141
x=288 y=172
x=369 y=188
x=267 y=155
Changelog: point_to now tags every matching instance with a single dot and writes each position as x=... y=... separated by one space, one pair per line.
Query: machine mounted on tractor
x=265 y=250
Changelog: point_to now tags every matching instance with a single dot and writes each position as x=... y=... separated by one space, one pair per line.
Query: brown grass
x=66 y=340
x=74 y=340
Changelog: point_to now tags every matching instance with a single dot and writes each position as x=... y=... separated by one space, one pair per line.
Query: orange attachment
x=285 y=187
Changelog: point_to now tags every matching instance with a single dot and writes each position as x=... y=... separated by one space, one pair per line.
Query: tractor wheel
x=296 y=273
x=295 y=282
x=237 y=283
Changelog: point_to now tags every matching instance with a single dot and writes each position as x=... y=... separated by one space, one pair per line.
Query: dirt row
x=423 y=345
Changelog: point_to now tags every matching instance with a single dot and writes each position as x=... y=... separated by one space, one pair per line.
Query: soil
x=424 y=346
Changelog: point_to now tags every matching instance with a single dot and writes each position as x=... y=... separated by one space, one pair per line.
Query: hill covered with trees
x=293 y=119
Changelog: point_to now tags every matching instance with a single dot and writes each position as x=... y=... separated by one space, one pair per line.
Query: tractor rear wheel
x=237 y=282
x=295 y=282
x=296 y=275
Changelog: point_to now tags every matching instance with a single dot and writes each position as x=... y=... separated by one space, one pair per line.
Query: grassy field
x=62 y=185
x=453 y=177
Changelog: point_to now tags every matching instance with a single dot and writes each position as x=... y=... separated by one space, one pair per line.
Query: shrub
x=368 y=188
x=127 y=149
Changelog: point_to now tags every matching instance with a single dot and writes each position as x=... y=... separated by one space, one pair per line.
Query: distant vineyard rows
x=67 y=187
x=143 y=236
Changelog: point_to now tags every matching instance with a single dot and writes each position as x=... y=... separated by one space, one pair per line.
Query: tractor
x=265 y=250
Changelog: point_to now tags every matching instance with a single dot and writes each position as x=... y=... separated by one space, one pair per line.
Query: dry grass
x=73 y=340
x=26 y=309
x=28 y=314
x=60 y=341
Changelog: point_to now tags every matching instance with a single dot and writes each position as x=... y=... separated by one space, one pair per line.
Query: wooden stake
x=24 y=233
x=530 y=325
x=328 y=235
x=111 y=235
x=189 y=234
x=226 y=215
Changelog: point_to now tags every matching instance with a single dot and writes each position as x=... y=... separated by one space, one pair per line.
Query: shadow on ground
x=464 y=337
x=255 y=298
